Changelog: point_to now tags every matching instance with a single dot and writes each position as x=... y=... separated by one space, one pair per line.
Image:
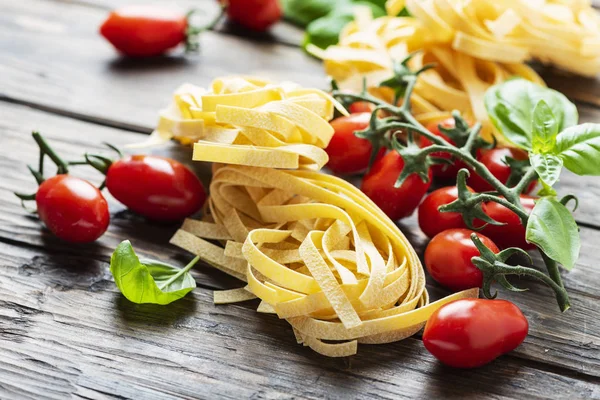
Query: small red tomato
x=513 y=233
x=156 y=187
x=378 y=184
x=442 y=171
x=448 y=259
x=360 y=107
x=143 y=30
x=495 y=161
x=347 y=153
x=73 y=209
x=431 y=220
x=469 y=333
x=257 y=15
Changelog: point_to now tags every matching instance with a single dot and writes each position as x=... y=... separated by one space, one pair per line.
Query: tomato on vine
x=469 y=333
x=431 y=220
x=348 y=153
x=73 y=209
x=448 y=259
x=512 y=233
x=442 y=171
x=257 y=15
x=496 y=161
x=379 y=182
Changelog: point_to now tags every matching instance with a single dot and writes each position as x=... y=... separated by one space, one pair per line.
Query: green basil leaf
x=546 y=191
x=149 y=282
x=303 y=12
x=510 y=106
x=547 y=166
x=552 y=228
x=325 y=31
x=579 y=147
x=545 y=129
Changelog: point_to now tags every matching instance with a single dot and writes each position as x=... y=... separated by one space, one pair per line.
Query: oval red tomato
x=73 y=209
x=495 y=161
x=360 y=107
x=431 y=220
x=378 y=184
x=156 y=187
x=442 y=171
x=512 y=234
x=470 y=333
x=144 y=30
x=257 y=15
x=448 y=259
x=348 y=153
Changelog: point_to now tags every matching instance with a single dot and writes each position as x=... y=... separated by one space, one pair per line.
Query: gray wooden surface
x=65 y=331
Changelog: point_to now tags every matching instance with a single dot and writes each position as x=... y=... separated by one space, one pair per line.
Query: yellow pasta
x=312 y=247
x=474 y=44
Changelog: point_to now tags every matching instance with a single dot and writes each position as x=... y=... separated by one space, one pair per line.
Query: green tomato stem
x=46 y=149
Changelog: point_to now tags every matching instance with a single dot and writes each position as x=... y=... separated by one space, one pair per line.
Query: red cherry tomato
x=448 y=259
x=513 y=233
x=347 y=153
x=360 y=107
x=470 y=333
x=143 y=30
x=257 y=15
x=494 y=160
x=442 y=171
x=156 y=187
x=378 y=184
x=431 y=220
x=73 y=209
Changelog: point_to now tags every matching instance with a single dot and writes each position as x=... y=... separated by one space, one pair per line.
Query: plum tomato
x=360 y=107
x=442 y=171
x=348 y=153
x=469 y=333
x=448 y=259
x=257 y=15
x=144 y=30
x=158 y=188
x=378 y=184
x=512 y=234
x=72 y=208
x=495 y=161
x=431 y=220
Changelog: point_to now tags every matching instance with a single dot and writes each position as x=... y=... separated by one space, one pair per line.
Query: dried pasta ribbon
x=316 y=252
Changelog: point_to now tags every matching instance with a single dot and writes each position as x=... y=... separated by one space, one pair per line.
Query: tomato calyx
x=192 y=32
x=469 y=204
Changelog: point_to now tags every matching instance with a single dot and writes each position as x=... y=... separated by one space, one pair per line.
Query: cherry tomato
x=360 y=107
x=469 y=333
x=448 y=259
x=513 y=233
x=73 y=209
x=143 y=30
x=494 y=160
x=347 y=153
x=442 y=171
x=257 y=15
x=378 y=184
x=431 y=220
x=156 y=187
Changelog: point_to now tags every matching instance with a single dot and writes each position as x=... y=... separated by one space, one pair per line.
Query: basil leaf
x=552 y=228
x=510 y=106
x=547 y=166
x=579 y=147
x=325 y=31
x=545 y=129
x=149 y=282
x=303 y=12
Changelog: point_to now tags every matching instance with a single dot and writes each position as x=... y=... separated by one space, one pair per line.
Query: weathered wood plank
x=570 y=340
x=58 y=339
x=96 y=83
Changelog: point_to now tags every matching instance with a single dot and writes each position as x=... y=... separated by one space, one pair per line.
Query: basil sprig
x=150 y=281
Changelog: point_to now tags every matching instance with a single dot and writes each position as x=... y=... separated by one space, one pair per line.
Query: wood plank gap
x=77 y=116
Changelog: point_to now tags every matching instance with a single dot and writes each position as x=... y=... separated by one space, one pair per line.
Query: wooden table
x=66 y=331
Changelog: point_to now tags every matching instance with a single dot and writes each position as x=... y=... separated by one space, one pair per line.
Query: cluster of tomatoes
x=155 y=187
x=461 y=334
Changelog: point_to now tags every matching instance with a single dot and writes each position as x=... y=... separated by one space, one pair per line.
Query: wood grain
x=569 y=342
